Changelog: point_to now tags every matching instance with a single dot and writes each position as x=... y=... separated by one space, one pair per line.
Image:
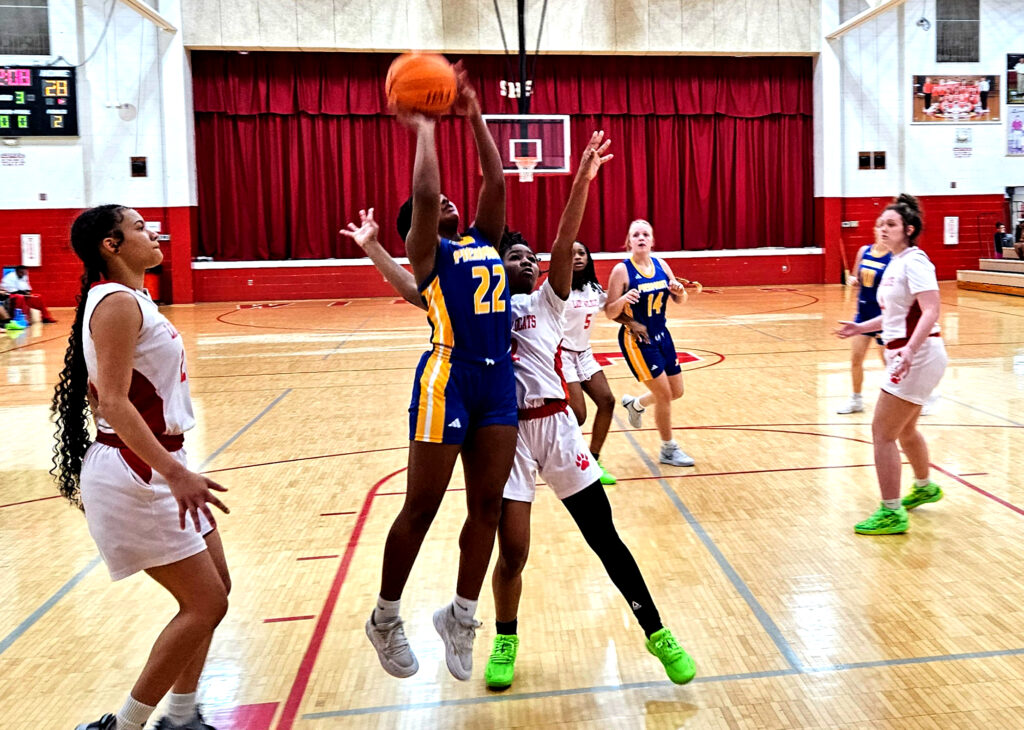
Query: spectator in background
x=1018 y=239
x=16 y=285
x=1001 y=239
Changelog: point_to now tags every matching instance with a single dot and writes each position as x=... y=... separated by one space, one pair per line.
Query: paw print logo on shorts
x=582 y=462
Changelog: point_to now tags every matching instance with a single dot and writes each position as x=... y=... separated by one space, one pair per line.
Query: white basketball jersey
x=907 y=275
x=580 y=310
x=538 y=324
x=159 y=387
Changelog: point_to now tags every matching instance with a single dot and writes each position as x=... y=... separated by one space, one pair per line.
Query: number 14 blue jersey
x=654 y=294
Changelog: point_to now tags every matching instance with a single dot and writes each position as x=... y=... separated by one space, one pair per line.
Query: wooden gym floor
x=794 y=621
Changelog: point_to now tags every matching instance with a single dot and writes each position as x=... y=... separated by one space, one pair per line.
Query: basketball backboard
x=532 y=144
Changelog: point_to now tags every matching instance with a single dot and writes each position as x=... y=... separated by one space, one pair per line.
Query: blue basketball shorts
x=869 y=310
x=649 y=360
x=453 y=397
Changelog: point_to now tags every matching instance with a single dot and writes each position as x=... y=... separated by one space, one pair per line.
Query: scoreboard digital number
x=38 y=102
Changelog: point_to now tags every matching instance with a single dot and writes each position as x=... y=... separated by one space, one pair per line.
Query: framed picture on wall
x=1015 y=130
x=949 y=99
x=1015 y=78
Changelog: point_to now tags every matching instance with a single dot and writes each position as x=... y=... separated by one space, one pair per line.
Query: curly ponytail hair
x=909 y=209
x=70 y=406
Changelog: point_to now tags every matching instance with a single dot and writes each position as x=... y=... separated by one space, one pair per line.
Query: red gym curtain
x=716 y=153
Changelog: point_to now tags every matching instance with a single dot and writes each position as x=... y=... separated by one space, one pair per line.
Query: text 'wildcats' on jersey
x=468 y=304
x=654 y=294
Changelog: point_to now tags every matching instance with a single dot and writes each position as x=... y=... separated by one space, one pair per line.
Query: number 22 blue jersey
x=467 y=298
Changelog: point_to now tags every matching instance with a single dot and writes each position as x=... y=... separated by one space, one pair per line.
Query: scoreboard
x=38 y=101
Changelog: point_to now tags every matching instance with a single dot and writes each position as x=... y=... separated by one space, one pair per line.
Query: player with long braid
x=127 y=361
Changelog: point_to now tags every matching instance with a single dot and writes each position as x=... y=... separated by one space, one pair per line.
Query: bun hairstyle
x=909 y=210
x=510 y=239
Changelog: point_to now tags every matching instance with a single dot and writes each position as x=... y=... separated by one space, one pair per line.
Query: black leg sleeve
x=593 y=514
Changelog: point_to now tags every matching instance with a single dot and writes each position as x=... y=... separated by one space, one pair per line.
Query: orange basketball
x=421 y=82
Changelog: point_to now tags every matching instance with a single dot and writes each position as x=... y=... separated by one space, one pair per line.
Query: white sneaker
x=458 y=641
x=635 y=414
x=392 y=647
x=854 y=405
x=674 y=456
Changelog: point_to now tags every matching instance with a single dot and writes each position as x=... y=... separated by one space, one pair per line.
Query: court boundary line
x=49 y=603
x=344 y=340
x=42 y=610
x=304 y=673
x=290 y=710
x=663 y=683
x=242 y=430
x=741 y=587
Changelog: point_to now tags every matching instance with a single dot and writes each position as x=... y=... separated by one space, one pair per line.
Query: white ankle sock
x=182 y=708
x=133 y=715
x=857 y=397
x=669 y=445
x=637 y=406
x=922 y=482
x=892 y=503
x=463 y=608
x=386 y=610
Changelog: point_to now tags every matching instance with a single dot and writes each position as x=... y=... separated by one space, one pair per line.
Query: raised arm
x=618 y=295
x=490 y=206
x=422 y=240
x=560 y=271
x=365 y=236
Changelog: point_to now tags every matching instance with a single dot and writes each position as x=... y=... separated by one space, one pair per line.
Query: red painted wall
x=345 y=282
x=978 y=216
x=58 y=278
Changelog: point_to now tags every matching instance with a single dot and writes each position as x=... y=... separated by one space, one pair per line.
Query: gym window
x=24 y=28
x=957 y=24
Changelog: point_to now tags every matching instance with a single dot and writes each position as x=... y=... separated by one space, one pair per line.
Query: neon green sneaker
x=606 y=478
x=501 y=666
x=678 y=665
x=885 y=521
x=922 y=495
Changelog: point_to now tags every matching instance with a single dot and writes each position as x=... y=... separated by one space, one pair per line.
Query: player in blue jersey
x=867 y=273
x=642 y=285
x=464 y=397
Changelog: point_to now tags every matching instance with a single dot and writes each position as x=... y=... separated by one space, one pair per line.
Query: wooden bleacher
x=1001 y=276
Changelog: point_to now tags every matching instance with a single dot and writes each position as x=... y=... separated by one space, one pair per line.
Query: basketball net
x=526 y=166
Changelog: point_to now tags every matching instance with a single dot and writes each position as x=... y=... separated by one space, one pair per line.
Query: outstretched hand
x=415 y=120
x=593 y=156
x=365 y=233
x=466 y=102
x=847 y=329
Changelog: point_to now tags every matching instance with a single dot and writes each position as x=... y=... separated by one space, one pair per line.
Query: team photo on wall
x=959 y=99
